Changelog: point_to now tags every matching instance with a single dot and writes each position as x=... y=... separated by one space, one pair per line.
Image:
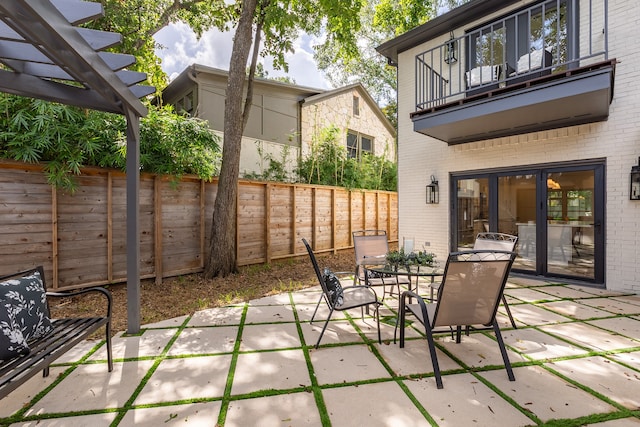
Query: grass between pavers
x=19 y=415
x=317 y=389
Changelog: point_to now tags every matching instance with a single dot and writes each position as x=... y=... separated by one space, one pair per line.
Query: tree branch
x=254 y=62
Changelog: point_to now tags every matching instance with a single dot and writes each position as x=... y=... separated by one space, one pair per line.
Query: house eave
x=573 y=100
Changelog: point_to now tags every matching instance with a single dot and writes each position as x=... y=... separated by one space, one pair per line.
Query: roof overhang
x=567 y=101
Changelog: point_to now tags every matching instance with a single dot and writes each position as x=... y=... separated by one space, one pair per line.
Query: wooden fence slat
x=81 y=239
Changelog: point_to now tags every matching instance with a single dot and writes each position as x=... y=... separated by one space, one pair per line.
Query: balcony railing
x=546 y=38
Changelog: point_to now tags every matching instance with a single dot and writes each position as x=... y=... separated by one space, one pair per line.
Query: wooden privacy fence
x=80 y=239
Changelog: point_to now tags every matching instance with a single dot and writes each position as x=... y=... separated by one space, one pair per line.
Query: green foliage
x=421 y=258
x=391 y=112
x=175 y=145
x=364 y=64
x=68 y=138
x=276 y=169
x=139 y=20
x=380 y=20
x=329 y=164
x=399 y=16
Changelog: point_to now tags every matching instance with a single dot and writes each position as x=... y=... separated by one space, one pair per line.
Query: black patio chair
x=352 y=297
x=469 y=294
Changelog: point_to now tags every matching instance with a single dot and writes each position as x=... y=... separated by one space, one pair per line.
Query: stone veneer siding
x=338 y=111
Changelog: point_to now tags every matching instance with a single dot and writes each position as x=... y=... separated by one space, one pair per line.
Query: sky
x=180 y=48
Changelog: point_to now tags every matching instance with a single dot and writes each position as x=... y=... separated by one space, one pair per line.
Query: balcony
x=542 y=67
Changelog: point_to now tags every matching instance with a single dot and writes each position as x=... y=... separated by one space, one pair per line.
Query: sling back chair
x=469 y=294
x=498 y=242
x=350 y=297
x=371 y=248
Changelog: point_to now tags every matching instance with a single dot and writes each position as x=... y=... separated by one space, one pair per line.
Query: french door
x=557 y=212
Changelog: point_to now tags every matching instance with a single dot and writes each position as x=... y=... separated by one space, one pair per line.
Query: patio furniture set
x=468 y=295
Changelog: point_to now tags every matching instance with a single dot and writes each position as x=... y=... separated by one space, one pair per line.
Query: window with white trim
x=358 y=144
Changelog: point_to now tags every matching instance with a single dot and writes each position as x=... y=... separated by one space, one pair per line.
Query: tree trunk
x=222 y=249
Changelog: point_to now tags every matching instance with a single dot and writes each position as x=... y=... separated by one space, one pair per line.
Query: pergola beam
x=48 y=58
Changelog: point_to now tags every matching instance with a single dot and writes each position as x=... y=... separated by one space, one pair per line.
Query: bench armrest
x=98 y=289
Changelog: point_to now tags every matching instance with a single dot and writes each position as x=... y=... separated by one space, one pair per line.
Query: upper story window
x=358 y=144
x=356 y=106
x=536 y=37
x=185 y=105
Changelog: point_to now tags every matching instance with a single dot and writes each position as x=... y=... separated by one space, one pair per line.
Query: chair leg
x=434 y=358
x=377 y=305
x=109 y=346
x=503 y=351
x=324 y=328
x=400 y=322
x=317 y=306
x=506 y=307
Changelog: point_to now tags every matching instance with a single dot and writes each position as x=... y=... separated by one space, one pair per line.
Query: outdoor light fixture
x=634 y=194
x=450 y=50
x=433 y=193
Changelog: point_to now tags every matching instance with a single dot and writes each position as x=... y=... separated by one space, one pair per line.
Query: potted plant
x=422 y=258
x=396 y=259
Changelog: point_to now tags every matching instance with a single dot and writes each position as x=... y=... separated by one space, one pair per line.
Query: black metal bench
x=65 y=335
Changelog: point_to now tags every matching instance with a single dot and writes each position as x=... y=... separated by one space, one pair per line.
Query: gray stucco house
x=285 y=119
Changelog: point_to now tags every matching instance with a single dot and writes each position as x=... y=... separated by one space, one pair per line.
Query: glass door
x=556 y=212
x=517 y=215
x=570 y=224
x=473 y=210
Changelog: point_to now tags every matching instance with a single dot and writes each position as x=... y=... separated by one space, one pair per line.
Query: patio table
x=417 y=273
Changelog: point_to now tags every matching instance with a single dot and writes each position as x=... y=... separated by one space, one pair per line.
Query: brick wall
x=616 y=140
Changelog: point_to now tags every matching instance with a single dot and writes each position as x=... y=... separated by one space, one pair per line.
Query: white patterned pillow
x=529 y=62
x=482 y=75
x=26 y=295
x=12 y=342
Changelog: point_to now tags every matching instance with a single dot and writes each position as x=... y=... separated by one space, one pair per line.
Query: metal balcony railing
x=547 y=37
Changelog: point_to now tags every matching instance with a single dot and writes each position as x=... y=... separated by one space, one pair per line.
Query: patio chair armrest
x=410 y=294
x=343 y=273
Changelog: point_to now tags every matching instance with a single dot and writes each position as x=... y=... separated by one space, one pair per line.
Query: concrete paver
x=473 y=403
x=575 y=353
x=376 y=405
x=546 y=395
x=192 y=414
x=610 y=379
x=270 y=370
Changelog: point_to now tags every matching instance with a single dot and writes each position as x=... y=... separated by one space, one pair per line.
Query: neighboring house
x=510 y=107
x=283 y=117
x=364 y=127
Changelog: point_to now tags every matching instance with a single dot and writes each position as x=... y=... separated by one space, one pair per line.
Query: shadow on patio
x=576 y=358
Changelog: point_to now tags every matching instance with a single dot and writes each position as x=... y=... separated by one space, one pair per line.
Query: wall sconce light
x=433 y=192
x=634 y=193
x=451 y=49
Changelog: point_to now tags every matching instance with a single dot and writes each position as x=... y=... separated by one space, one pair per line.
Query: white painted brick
x=616 y=140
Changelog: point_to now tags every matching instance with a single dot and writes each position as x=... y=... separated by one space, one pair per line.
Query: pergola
x=46 y=56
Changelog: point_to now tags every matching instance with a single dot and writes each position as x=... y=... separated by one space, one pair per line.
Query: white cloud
x=182 y=48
